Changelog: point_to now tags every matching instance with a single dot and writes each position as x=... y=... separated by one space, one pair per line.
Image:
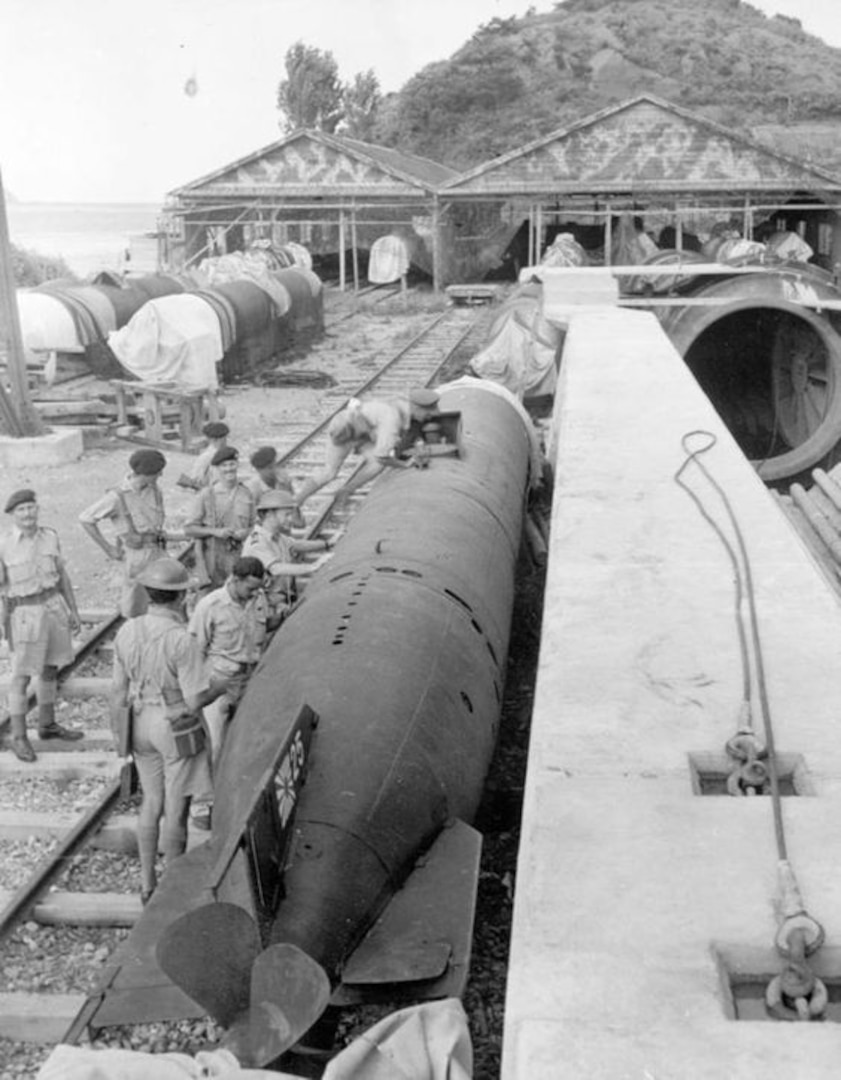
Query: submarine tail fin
x=209 y=954
x=289 y=992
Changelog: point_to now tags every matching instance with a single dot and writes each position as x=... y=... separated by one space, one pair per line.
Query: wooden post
x=342 y=245
x=354 y=252
x=18 y=415
x=436 y=247
x=608 y=236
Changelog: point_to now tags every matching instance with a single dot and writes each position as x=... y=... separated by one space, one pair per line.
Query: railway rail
x=438 y=352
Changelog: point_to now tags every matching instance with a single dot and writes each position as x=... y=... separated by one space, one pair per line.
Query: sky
x=93 y=96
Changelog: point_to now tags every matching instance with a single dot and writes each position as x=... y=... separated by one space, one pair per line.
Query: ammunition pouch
x=189 y=741
x=187 y=728
x=121 y=721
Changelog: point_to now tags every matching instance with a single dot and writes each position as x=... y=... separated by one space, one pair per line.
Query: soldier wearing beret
x=269 y=476
x=135 y=509
x=221 y=517
x=39 y=613
x=271 y=542
x=372 y=429
x=199 y=475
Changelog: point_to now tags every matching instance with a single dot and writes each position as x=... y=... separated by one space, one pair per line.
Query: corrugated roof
x=334 y=164
x=645 y=144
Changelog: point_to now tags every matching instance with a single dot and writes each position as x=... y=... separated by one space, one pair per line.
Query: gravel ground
x=58 y=959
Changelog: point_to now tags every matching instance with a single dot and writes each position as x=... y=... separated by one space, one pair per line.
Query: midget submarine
x=342 y=865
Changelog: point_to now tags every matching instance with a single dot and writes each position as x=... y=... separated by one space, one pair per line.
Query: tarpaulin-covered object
x=173 y=339
x=523 y=348
x=390 y=259
x=423 y=1042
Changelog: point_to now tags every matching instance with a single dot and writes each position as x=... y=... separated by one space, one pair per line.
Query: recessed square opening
x=745 y=973
x=709 y=773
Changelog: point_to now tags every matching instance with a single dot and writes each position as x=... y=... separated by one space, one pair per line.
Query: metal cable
x=744 y=573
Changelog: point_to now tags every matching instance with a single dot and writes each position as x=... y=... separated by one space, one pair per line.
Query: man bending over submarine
x=372 y=429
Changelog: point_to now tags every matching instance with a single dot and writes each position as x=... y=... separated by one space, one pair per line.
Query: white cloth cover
x=173 y=339
x=45 y=323
x=254 y=265
x=522 y=350
x=788 y=245
x=389 y=260
x=300 y=254
x=425 y=1042
x=564 y=251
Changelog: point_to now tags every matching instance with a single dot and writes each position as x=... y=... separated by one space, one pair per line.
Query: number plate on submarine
x=268 y=817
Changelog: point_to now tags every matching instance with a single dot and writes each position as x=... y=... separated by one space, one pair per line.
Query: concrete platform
x=56 y=447
x=640 y=903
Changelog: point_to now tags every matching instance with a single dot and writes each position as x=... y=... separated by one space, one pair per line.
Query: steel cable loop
x=796 y=993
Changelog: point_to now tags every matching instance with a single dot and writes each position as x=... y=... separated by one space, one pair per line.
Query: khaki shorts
x=159 y=768
x=40 y=637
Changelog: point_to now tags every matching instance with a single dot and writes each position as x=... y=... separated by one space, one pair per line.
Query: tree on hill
x=311 y=94
x=520 y=78
x=361 y=101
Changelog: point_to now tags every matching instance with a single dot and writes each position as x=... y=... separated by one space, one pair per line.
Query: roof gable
x=309 y=161
x=642 y=145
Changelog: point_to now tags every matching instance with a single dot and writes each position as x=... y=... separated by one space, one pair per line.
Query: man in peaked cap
x=221 y=517
x=135 y=511
x=38 y=614
x=200 y=474
x=373 y=429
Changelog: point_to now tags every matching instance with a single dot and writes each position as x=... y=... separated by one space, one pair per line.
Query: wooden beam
x=22 y=417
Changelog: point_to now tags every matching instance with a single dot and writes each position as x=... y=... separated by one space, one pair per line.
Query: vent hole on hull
x=468 y=704
x=458 y=599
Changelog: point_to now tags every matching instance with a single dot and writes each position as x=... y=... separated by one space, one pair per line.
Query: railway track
x=77 y=846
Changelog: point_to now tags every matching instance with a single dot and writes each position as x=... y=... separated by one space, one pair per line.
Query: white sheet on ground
x=424 y=1042
x=174 y=339
x=45 y=323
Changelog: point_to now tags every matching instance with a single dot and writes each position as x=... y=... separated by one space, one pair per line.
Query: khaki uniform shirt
x=29 y=565
x=230 y=635
x=271 y=552
x=156 y=652
x=132 y=511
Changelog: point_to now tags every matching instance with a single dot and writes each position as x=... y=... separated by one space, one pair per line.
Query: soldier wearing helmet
x=373 y=429
x=38 y=611
x=135 y=511
x=220 y=518
x=272 y=543
x=159 y=674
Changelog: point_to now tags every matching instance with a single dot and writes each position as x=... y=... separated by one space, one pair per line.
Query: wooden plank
x=77 y=686
x=119 y=834
x=62 y=766
x=88 y=909
x=38 y=1018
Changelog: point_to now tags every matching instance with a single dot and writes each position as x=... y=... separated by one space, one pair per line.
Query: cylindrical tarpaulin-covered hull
x=400 y=648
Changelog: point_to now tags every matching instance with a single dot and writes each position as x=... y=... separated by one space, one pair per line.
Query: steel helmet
x=168 y=575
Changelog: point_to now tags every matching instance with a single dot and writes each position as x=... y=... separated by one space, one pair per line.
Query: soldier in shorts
x=39 y=614
x=135 y=507
x=159 y=673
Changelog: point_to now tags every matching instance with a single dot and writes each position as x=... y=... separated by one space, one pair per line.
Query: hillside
x=518 y=79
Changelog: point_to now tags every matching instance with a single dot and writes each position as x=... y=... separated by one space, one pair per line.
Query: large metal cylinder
x=400 y=648
x=769 y=360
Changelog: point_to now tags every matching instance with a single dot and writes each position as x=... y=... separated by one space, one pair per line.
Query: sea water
x=89 y=236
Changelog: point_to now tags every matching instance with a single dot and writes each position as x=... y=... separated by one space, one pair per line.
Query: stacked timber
x=815 y=512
